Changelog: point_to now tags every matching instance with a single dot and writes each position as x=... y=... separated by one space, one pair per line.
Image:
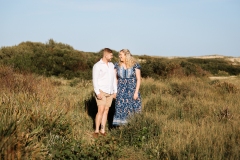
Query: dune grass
x=182 y=118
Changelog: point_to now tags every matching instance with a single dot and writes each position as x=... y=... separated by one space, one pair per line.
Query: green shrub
x=193 y=69
x=138 y=131
x=227 y=87
x=216 y=65
x=222 y=73
x=166 y=68
x=102 y=148
x=50 y=59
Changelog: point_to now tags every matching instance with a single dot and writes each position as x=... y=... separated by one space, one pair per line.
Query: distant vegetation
x=215 y=66
x=62 y=60
x=166 y=68
x=50 y=59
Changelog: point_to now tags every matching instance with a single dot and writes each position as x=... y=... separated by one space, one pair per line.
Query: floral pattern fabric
x=125 y=105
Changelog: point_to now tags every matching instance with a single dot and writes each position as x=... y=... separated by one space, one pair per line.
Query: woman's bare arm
x=138 y=76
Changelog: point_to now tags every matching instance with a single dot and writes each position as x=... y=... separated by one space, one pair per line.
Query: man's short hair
x=107 y=50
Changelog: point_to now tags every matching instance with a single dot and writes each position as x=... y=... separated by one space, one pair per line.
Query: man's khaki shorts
x=106 y=99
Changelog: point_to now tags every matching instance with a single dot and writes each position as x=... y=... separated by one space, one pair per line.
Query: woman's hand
x=99 y=96
x=135 y=96
x=114 y=95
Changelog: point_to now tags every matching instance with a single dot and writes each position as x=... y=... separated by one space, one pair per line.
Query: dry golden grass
x=182 y=118
x=197 y=119
x=31 y=108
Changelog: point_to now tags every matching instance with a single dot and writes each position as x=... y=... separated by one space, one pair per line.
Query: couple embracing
x=120 y=81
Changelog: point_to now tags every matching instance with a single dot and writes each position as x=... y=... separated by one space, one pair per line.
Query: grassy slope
x=187 y=118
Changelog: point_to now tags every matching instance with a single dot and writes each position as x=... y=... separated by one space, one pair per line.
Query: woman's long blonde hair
x=130 y=60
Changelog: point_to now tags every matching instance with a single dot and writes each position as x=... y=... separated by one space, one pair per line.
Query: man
x=105 y=88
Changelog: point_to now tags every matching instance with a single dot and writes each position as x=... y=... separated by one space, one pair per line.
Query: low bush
x=227 y=87
x=216 y=65
x=140 y=129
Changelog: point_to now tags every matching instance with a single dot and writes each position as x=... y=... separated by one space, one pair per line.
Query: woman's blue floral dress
x=125 y=104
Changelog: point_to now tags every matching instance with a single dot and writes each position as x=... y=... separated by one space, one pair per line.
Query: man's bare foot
x=103 y=134
x=95 y=135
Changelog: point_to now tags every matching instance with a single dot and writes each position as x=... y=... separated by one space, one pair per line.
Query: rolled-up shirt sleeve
x=95 y=75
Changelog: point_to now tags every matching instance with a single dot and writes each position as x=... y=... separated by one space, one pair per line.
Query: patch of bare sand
x=209 y=57
x=227 y=77
x=233 y=60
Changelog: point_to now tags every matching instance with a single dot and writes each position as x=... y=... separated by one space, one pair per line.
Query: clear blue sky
x=152 y=27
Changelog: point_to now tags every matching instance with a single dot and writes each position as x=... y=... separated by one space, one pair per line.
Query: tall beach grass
x=182 y=118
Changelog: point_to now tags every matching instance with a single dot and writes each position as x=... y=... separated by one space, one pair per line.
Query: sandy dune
x=227 y=77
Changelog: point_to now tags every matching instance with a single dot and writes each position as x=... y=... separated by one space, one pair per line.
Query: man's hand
x=135 y=96
x=99 y=96
x=114 y=95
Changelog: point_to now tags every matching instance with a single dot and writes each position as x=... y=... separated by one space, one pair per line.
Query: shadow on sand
x=91 y=109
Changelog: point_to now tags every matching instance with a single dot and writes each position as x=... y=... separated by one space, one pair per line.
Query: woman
x=128 y=100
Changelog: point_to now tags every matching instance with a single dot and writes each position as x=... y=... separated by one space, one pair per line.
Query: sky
x=145 y=27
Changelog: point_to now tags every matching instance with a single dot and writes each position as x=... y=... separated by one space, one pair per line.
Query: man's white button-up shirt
x=104 y=78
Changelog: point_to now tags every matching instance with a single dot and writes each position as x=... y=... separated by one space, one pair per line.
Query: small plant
x=74 y=82
x=225 y=114
x=227 y=87
x=215 y=82
x=102 y=148
x=222 y=73
x=138 y=131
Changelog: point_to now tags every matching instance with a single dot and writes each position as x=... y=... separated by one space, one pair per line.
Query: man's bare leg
x=104 y=119
x=99 y=118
